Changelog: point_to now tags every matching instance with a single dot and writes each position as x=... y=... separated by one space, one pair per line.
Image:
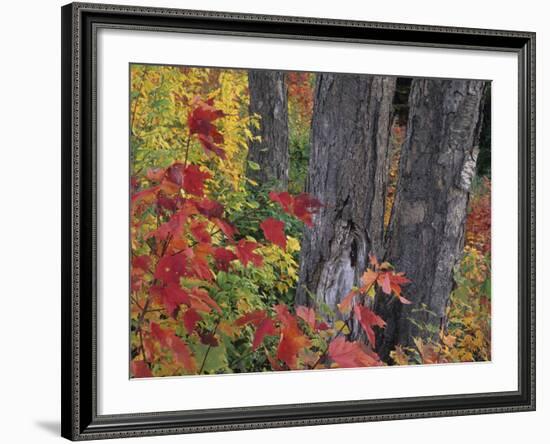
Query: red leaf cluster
x=292 y=338
x=140 y=369
x=274 y=231
x=200 y=123
x=303 y=206
x=387 y=279
x=245 y=253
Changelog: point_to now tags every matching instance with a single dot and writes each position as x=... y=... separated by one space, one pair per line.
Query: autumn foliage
x=213 y=261
x=182 y=242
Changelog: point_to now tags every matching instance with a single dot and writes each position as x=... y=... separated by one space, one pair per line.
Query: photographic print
x=287 y=220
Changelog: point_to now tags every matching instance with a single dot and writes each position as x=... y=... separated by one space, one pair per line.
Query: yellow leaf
x=341 y=326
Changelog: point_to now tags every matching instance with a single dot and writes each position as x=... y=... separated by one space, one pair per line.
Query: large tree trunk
x=348 y=169
x=426 y=234
x=268 y=99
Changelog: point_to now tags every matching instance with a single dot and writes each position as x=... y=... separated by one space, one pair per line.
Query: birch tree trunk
x=268 y=99
x=426 y=234
x=348 y=171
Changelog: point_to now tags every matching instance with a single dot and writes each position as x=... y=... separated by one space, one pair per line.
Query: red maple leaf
x=175 y=226
x=307 y=314
x=302 y=206
x=182 y=353
x=351 y=354
x=274 y=231
x=292 y=341
x=140 y=369
x=170 y=340
x=171 y=267
x=284 y=199
x=201 y=298
x=245 y=253
x=141 y=262
x=390 y=281
x=265 y=328
x=210 y=208
x=167 y=203
x=396 y=280
x=159 y=334
x=199 y=231
x=171 y=297
x=190 y=319
x=368 y=319
x=200 y=123
x=225 y=227
x=175 y=173
x=223 y=258
x=198 y=260
x=193 y=180
x=254 y=317
x=202 y=115
x=148 y=195
x=209 y=144
x=292 y=338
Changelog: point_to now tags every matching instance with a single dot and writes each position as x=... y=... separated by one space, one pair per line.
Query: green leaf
x=216 y=360
x=253 y=165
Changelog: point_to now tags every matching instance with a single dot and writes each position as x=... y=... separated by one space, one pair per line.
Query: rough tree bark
x=348 y=171
x=426 y=234
x=268 y=99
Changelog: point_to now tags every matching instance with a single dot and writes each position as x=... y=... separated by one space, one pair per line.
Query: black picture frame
x=80 y=420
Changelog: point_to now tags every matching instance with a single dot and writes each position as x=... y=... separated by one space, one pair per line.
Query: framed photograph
x=279 y=221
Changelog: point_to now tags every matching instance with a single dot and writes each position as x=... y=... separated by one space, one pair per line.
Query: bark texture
x=426 y=235
x=348 y=171
x=268 y=99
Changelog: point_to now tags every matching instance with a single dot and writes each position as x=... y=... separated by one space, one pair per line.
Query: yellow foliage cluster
x=161 y=100
x=467 y=337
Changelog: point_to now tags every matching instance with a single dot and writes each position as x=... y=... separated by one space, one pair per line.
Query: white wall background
x=30 y=219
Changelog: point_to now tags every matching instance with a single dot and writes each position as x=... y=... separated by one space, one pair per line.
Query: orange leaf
x=369 y=277
x=345 y=305
x=292 y=341
x=292 y=338
x=351 y=354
